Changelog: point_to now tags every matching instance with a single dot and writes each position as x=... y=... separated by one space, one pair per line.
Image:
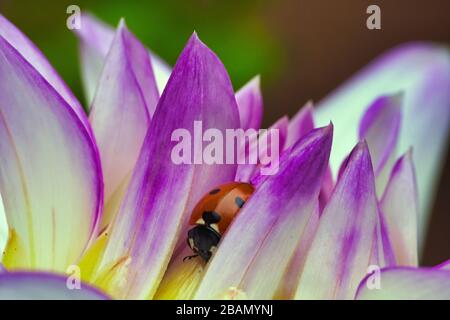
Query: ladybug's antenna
x=190 y=257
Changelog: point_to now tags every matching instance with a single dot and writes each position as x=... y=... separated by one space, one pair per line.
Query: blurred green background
x=233 y=29
x=302 y=49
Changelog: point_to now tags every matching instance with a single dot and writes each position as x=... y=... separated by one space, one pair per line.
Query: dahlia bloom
x=99 y=192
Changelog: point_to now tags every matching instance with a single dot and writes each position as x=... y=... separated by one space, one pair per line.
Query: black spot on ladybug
x=214 y=191
x=210 y=217
x=239 y=201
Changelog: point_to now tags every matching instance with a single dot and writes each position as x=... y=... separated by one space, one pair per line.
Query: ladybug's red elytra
x=212 y=216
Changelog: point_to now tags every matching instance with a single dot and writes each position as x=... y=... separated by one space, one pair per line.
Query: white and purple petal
x=162 y=193
x=383 y=252
x=121 y=111
x=272 y=221
x=444 y=265
x=400 y=211
x=44 y=286
x=341 y=250
x=300 y=125
x=263 y=148
x=35 y=57
x=3 y=227
x=406 y=283
x=422 y=72
x=380 y=127
x=250 y=104
x=95 y=41
x=50 y=174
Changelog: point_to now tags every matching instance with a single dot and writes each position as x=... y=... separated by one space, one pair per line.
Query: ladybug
x=212 y=216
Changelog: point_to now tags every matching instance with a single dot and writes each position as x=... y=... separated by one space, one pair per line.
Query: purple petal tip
x=328 y=130
x=195 y=45
x=359 y=158
x=195 y=39
x=122 y=23
x=399 y=164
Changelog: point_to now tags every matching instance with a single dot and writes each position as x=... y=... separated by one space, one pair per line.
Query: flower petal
x=380 y=127
x=383 y=252
x=43 y=286
x=126 y=98
x=407 y=283
x=445 y=265
x=181 y=278
x=300 y=124
x=3 y=227
x=422 y=72
x=50 y=175
x=95 y=40
x=272 y=220
x=339 y=255
x=34 y=56
x=327 y=190
x=400 y=211
x=292 y=275
x=162 y=193
x=250 y=104
x=247 y=171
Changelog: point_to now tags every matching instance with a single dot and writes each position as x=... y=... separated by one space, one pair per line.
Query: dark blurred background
x=302 y=48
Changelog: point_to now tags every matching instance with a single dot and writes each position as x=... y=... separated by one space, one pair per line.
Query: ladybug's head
x=203 y=240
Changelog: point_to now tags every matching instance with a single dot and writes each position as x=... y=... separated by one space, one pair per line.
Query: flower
x=100 y=192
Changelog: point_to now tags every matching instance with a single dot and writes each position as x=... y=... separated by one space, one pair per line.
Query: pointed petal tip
x=253 y=85
x=358 y=150
x=325 y=130
x=409 y=154
x=398 y=97
x=256 y=82
x=361 y=154
x=196 y=45
x=328 y=130
x=309 y=105
x=122 y=24
x=443 y=265
x=362 y=144
x=283 y=120
x=405 y=159
x=194 y=38
x=322 y=135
